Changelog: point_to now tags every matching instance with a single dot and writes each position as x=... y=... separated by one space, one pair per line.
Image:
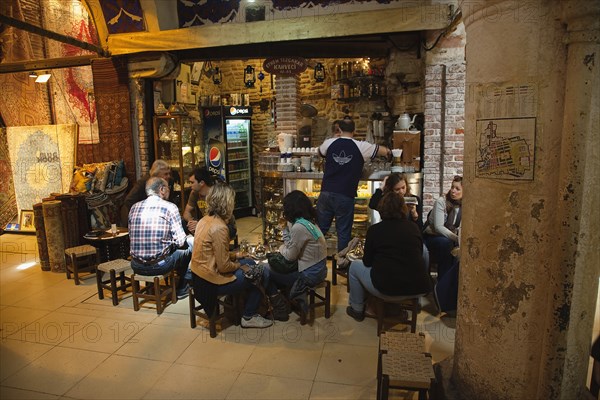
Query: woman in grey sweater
x=304 y=242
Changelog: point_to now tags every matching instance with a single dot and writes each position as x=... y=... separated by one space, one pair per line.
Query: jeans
x=440 y=248
x=178 y=261
x=359 y=282
x=239 y=285
x=311 y=276
x=330 y=205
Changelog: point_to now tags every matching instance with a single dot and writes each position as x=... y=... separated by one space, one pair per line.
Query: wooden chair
x=222 y=308
x=411 y=305
x=112 y=268
x=153 y=290
x=79 y=259
x=335 y=271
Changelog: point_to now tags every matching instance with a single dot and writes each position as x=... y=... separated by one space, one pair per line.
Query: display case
x=310 y=183
x=177 y=140
x=272 y=200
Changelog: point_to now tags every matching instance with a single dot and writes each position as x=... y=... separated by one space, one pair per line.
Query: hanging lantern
x=319 y=72
x=217 y=77
x=249 y=76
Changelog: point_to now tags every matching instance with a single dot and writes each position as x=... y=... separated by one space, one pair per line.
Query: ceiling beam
x=389 y=20
x=46 y=64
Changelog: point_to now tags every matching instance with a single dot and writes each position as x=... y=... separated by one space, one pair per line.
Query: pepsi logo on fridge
x=216 y=154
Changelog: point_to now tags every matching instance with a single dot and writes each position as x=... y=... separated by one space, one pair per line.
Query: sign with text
x=285 y=65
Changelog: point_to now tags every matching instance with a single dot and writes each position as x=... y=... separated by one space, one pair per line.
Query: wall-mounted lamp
x=43 y=78
x=249 y=76
x=217 y=77
x=319 y=72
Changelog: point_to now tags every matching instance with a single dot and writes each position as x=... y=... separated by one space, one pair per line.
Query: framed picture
x=26 y=221
x=196 y=73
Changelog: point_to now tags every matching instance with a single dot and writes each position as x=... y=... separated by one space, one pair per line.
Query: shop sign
x=285 y=65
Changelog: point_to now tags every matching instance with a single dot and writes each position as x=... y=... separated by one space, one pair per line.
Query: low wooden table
x=111 y=247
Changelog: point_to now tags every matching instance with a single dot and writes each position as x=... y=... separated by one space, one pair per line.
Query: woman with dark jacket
x=398 y=183
x=392 y=264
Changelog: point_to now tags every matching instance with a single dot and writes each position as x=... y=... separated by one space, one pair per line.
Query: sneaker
x=256 y=321
x=357 y=315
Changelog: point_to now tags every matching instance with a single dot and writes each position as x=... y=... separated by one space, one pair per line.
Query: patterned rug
x=111 y=90
x=8 y=202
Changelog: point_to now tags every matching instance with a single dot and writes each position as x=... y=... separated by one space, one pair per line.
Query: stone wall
x=413 y=83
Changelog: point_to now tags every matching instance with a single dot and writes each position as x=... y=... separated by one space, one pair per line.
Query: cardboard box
x=410 y=143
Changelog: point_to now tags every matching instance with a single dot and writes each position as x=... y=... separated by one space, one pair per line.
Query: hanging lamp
x=217 y=77
x=319 y=72
x=249 y=76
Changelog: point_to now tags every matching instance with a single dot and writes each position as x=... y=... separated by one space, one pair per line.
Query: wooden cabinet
x=178 y=141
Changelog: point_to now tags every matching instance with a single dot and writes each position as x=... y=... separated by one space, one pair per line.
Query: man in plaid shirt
x=157 y=237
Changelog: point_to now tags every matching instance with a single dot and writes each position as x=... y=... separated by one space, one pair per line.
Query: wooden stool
x=218 y=314
x=156 y=292
x=412 y=305
x=81 y=258
x=402 y=341
x=325 y=300
x=405 y=370
x=114 y=267
x=398 y=342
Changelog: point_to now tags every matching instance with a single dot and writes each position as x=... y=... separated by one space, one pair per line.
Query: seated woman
x=302 y=241
x=392 y=263
x=398 y=183
x=441 y=237
x=443 y=222
x=214 y=271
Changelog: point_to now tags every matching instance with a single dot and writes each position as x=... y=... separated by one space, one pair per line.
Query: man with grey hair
x=159 y=168
x=157 y=239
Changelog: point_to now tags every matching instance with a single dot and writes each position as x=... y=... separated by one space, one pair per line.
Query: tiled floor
x=59 y=341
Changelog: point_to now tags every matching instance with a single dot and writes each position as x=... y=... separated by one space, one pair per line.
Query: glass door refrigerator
x=228 y=138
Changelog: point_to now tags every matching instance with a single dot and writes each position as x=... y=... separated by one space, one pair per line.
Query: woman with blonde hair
x=214 y=270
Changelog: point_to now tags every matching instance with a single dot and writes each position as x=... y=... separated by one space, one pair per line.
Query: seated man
x=159 y=169
x=201 y=180
x=157 y=240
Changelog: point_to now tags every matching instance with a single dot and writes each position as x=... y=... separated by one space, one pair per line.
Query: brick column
x=287 y=108
x=443 y=129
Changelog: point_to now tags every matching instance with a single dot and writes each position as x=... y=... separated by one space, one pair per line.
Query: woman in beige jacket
x=214 y=270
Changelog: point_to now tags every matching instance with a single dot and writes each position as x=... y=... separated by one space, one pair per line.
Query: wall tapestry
x=22 y=102
x=42 y=160
x=8 y=204
x=505 y=148
x=202 y=12
x=111 y=90
x=74 y=90
x=123 y=15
